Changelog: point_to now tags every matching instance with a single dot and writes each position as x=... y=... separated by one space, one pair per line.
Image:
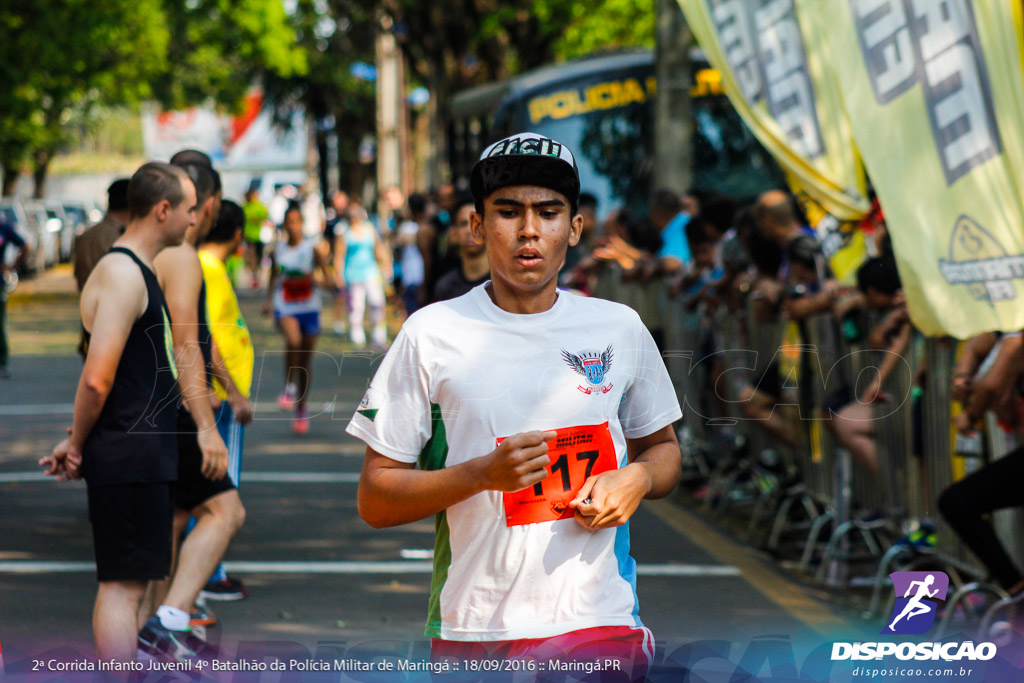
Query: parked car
x=13 y=213
x=49 y=231
x=67 y=234
x=82 y=213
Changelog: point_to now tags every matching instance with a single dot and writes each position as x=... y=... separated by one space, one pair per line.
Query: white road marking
x=300 y=477
x=33 y=567
x=41 y=409
x=247 y=477
x=45 y=409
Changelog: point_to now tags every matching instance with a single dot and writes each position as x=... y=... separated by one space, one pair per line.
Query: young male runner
x=532 y=549
x=232 y=347
x=202 y=489
x=120 y=441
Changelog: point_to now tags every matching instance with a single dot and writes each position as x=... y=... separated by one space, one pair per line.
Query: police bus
x=602 y=108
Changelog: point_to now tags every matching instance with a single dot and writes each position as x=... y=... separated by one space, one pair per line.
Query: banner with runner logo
x=934 y=95
x=774 y=76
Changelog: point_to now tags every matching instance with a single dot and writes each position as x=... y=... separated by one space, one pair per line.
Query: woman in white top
x=295 y=299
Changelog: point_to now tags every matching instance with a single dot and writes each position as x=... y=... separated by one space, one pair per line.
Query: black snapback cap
x=526 y=159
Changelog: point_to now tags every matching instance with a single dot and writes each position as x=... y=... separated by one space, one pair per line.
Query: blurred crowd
x=696 y=258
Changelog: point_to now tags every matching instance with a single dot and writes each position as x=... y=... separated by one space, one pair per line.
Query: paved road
x=317 y=573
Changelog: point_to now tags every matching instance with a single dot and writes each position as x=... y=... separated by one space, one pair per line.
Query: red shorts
x=603 y=653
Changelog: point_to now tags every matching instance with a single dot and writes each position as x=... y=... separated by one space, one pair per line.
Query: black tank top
x=205 y=335
x=135 y=440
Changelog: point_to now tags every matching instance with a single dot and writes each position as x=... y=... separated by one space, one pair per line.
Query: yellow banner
x=935 y=98
x=775 y=78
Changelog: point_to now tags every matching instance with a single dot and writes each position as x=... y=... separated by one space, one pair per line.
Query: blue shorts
x=309 y=323
x=233 y=434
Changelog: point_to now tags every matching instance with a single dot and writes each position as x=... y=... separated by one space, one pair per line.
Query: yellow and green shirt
x=227 y=325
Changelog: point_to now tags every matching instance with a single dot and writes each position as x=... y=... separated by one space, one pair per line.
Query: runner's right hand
x=215 y=454
x=518 y=462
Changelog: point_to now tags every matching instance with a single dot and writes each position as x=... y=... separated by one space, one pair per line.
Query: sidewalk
x=42 y=315
x=56 y=283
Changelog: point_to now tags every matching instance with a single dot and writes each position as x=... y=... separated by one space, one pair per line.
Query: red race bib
x=296 y=289
x=576 y=453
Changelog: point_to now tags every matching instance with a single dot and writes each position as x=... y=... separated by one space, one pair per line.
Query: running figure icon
x=915 y=607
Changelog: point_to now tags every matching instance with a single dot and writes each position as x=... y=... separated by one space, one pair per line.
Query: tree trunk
x=12 y=172
x=389 y=112
x=673 y=121
x=437 y=169
x=41 y=165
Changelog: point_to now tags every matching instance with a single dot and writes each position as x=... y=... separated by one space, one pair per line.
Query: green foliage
x=221 y=47
x=332 y=35
x=59 y=59
x=60 y=56
x=607 y=25
x=505 y=38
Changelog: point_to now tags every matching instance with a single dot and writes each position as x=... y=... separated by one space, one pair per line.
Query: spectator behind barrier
x=803 y=287
x=853 y=423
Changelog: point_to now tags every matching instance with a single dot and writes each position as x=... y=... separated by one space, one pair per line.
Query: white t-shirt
x=295 y=292
x=463 y=373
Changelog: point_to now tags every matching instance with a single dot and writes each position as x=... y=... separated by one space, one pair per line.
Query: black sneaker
x=165 y=644
x=225 y=590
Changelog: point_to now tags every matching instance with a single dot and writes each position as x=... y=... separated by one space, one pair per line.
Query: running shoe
x=339 y=328
x=921 y=537
x=201 y=615
x=160 y=642
x=225 y=590
x=300 y=425
x=286 y=401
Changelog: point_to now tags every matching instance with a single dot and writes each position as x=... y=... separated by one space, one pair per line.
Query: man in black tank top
x=202 y=490
x=122 y=438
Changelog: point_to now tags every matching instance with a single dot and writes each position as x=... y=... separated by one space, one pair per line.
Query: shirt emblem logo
x=594 y=366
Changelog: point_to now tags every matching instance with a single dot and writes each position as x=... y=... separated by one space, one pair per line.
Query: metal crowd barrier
x=834 y=495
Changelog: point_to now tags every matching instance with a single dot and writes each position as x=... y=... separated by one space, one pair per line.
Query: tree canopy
x=61 y=59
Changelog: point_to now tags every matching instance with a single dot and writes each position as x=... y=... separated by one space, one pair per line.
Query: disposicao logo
x=913 y=614
x=916 y=593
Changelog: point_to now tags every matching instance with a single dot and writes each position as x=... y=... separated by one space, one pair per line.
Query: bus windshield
x=611 y=152
x=602 y=109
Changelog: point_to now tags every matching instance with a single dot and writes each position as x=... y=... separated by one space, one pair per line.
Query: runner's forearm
x=195 y=393
x=390 y=496
x=90 y=398
x=658 y=454
x=663 y=467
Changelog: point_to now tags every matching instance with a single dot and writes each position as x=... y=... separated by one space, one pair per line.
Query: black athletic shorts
x=131 y=530
x=192 y=488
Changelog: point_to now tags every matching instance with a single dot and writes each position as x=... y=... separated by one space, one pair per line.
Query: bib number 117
x=576 y=454
x=561 y=465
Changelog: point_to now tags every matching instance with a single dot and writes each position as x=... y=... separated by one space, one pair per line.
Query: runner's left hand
x=609 y=499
